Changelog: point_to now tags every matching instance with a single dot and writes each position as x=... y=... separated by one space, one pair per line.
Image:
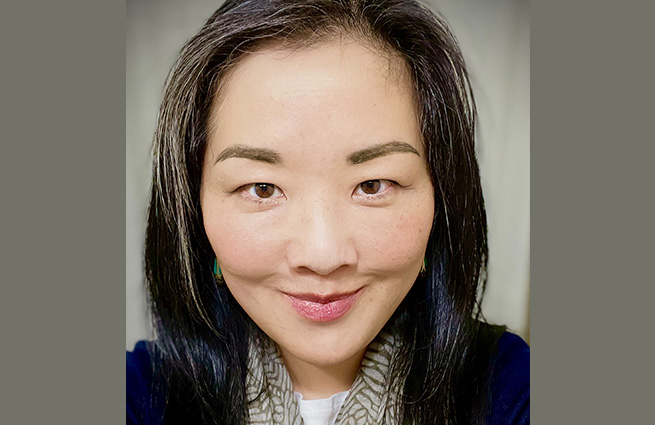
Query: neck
x=321 y=381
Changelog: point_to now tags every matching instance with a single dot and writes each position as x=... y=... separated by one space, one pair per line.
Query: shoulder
x=510 y=386
x=141 y=398
x=137 y=361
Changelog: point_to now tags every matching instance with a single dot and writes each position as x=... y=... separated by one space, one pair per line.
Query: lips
x=322 y=307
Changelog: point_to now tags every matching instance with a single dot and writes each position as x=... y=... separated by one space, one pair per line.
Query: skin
x=317 y=230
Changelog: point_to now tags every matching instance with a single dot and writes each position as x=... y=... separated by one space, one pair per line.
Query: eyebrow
x=272 y=157
x=382 y=149
x=256 y=154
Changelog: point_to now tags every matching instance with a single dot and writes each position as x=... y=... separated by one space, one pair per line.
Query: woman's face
x=315 y=195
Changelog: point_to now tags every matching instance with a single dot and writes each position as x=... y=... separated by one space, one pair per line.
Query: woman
x=316 y=241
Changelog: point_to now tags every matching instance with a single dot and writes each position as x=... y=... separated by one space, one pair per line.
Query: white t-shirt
x=323 y=411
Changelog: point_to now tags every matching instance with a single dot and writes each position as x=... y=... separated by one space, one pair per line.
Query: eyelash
x=249 y=190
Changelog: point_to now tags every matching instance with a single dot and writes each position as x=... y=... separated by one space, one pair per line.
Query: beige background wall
x=495 y=39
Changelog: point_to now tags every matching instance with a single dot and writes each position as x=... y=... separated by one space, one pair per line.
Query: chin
x=328 y=348
x=329 y=357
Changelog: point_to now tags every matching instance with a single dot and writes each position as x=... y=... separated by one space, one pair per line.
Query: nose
x=320 y=239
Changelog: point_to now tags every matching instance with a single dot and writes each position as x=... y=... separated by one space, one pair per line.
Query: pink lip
x=322 y=308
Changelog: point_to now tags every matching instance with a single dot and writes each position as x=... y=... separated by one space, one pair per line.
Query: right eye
x=262 y=191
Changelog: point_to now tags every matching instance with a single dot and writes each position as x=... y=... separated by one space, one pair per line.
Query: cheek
x=248 y=248
x=396 y=243
x=253 y=246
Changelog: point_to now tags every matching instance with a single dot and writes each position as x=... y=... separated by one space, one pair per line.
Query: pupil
x=264 y=190
x=371 y=187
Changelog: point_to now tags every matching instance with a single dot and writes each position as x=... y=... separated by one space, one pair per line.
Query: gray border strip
x=62 y=170
x=592 y=209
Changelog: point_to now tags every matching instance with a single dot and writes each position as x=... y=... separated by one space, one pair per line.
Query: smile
x=322 y=308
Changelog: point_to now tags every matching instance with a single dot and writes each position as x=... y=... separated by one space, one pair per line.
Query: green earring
x=424 y=266
x=217 y=269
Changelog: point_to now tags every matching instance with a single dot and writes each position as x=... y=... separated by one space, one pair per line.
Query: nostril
x=321 y=258
x=320 y=265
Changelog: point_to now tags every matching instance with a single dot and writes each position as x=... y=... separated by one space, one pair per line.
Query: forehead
x=342 y=93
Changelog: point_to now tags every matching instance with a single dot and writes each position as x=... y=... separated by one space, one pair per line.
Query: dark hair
x=202 y=332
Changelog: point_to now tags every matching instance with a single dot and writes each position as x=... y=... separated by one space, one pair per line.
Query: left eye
x=373 y=187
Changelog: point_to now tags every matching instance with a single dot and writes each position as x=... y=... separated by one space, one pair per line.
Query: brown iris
x=264 y=190
x=371 y=187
